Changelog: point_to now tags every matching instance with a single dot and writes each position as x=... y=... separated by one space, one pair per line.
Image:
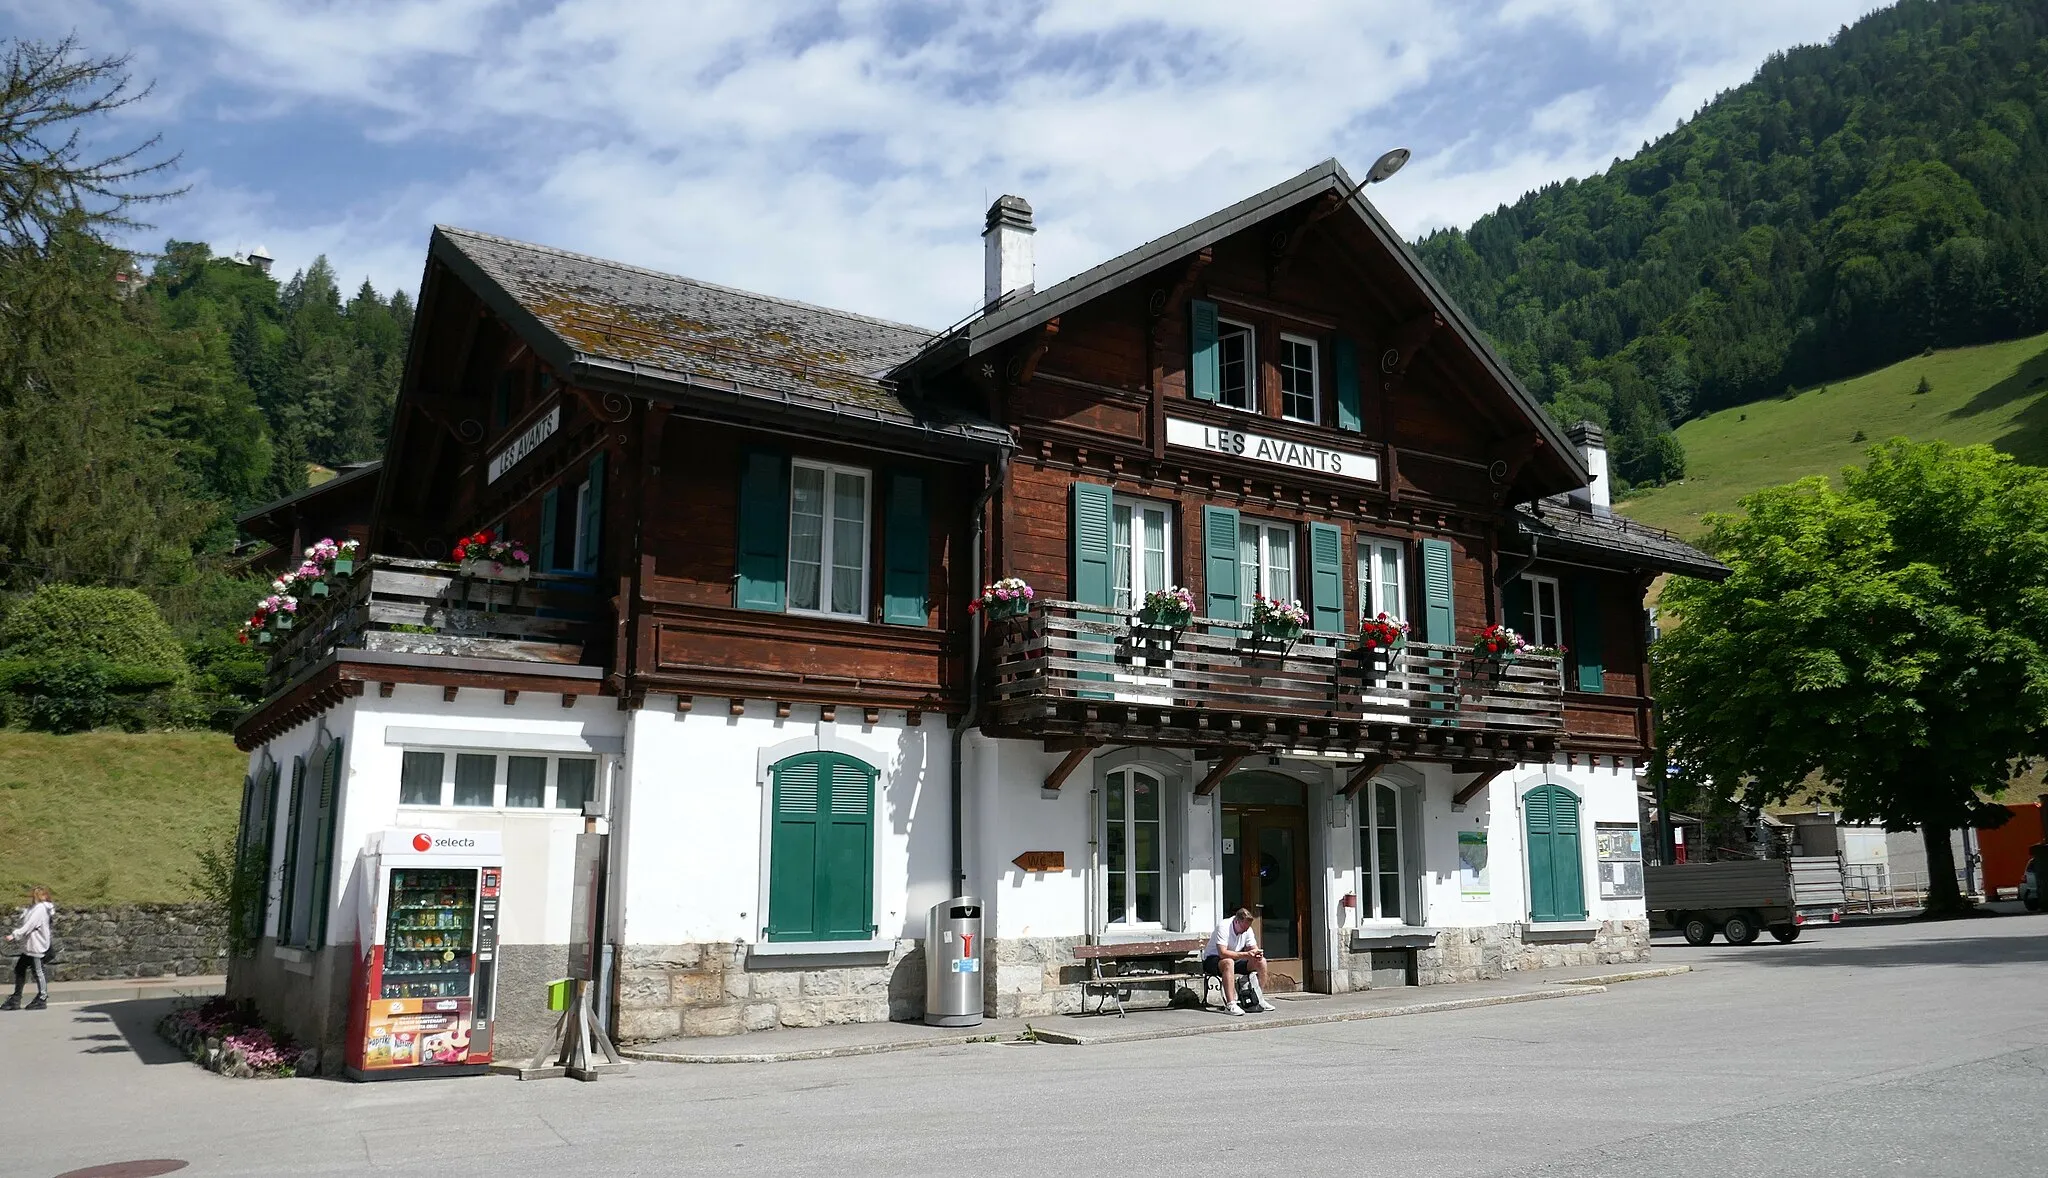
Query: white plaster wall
x=695 y=805
x=1606 y=794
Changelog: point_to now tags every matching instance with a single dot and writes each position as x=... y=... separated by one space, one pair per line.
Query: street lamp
x=1387 y=165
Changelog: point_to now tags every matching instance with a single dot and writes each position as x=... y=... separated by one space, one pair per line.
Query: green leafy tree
x=1889 y=639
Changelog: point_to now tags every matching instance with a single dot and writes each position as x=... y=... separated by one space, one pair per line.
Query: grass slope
x=113 y=817
x=1991 y=393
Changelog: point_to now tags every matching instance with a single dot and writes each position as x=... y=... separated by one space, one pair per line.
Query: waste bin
x=952 y=964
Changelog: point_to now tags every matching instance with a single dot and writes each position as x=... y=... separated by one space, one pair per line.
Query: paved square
x=1882 y=1050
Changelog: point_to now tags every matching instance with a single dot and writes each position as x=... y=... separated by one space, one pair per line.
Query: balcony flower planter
x=1277 y=630
x=344 y=566
x=317 y=588
x=1277 y=621
x=1010 y=597
x=1004 y=608
x=1171 y=609
x=494 y=570
x=280 y=621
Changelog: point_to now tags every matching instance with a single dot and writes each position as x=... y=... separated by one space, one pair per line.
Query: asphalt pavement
x=1899 y=1049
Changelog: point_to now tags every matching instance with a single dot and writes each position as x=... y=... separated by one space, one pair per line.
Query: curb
x=1633 y=975
x=813 y=1053
x=116 y=990
x=1069 y=1039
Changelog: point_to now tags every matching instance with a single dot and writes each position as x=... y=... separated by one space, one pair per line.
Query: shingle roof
x=610 y=319
x=1555 y=523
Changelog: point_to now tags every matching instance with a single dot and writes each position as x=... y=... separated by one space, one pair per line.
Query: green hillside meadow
x=113 y=817
x=1990 y=393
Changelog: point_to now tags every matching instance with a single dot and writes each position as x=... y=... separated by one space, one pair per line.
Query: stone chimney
x=1592 y=443
x=1006 y=250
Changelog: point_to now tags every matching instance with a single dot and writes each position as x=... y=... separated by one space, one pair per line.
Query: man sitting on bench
x=1233 y=953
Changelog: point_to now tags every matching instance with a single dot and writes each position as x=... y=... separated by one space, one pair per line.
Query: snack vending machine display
x=428 y=920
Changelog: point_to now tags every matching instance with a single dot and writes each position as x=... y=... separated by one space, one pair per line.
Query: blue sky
x=843 y=153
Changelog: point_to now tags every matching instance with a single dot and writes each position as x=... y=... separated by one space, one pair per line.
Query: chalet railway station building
x=757 y=526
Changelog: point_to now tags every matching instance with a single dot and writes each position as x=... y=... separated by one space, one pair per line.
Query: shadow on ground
x=2027 y=440
x=1944 y=951
x=122 y=1028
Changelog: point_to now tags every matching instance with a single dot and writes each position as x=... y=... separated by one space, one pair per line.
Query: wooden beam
x=1478 y=783
x=384 y=689
x=1408 y=340
x=1221 y=770
x=1287 y=242
x=737 y=707
x=1072 y=761
x=448 y=693
x=1024 y=365
x=511 y=695
x=1167 y=303
x=828 y=713
x=568 y=699
x=683 y=703
x=871 y=716
x=1363 y=774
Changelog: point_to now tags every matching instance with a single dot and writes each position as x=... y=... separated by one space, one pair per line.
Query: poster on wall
x=1472 y=878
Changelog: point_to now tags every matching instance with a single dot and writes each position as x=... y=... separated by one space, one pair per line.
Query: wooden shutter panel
x=1438 y=616
x=269 y=845
x=1348 y=416
x=590 y=529
x=846 y=858
x=323 y=841
x=288 y=906
x=1587 y=644
x=1093 y=584
x=1205 y=364
x=1219 y=563
x=1556 y=886
x=550 y=504
x=793 y=849
x=1326 y=576
x=906 y=581
x=764 y=531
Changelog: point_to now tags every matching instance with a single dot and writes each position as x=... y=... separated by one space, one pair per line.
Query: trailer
x=1742 y=899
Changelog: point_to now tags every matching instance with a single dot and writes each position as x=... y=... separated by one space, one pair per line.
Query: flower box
x=281 y=621
x=1164 y=617
x=344 y=566
x=317 y=588
x=1013 y=607
x=1010 y=597
x=494 y=570
x=263 y=638
x=1277 y=630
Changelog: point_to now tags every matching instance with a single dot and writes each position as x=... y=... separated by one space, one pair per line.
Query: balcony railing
x=1066 y=665
x=427 y=608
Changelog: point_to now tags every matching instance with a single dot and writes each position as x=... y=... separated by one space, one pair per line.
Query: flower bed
x=227 y=1037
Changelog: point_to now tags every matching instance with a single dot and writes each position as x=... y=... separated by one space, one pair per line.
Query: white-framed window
x=1298 y=379
x=1141 y=551
x=1545 y=626
x=1265 y=560
x=828 y=539
x=1237 y=366
x=1382 y=854
x=1134 y=846
x=1382 y=579
x=496 y=781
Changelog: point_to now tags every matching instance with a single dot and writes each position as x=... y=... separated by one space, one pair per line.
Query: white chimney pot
x=1592 y=444
x=1006 y=250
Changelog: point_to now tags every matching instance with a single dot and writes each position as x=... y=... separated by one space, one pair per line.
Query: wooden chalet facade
x=757 y=526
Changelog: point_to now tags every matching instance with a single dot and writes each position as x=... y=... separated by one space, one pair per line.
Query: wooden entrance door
x=1265 y=869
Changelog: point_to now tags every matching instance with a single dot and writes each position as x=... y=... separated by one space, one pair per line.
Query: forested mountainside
x=1853 y=204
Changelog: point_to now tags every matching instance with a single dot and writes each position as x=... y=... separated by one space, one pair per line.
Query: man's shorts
x=1213 y=966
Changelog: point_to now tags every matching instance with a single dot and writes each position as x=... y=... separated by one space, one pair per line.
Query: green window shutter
x=1518 y=602
x=1438 y=617
x=1205 y=365
x=1556 y=887
x=550 y=503
x=821 y=878
x=1326 y=576
x=907 y=582
x=288 y=907
x=764 y=531
x=590 y=529
x=323 y=841
x=846 y=885
x=1587 y=642
x=1219 y=563
x=269 y=845
x=1347 y=386
x=1091 y=527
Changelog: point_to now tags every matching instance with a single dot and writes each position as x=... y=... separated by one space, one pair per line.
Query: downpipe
x=972 y=716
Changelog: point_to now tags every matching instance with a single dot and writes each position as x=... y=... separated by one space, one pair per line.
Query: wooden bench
x=1114 y=970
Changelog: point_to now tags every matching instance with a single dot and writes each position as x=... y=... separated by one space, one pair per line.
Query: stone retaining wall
x=1029 y=977
x=138 y=941
x=1493 y=951
x=716 y=989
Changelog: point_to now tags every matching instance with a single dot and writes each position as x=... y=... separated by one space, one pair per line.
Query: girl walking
x=33 y=937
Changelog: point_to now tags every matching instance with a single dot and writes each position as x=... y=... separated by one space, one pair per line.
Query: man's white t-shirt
x=1226 y=936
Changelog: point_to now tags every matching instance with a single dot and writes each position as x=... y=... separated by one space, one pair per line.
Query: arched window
x=1557 y=889
x=821 y=864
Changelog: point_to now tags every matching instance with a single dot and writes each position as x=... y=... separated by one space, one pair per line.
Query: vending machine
x=428 y=923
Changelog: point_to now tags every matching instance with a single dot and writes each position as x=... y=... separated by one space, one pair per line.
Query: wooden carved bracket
x=1477 y=784
x=1167 y=303
x=1065 y=769
x=1505 y=460
x=1221 y=770
x=1286 y=243
x=1363 y=774
x=1408 y=341
x=1024 y=362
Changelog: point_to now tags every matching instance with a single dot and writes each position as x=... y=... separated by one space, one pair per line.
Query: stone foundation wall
x=138 y=941
x=1030 y=977
x=716 y=989
x=1493 y=951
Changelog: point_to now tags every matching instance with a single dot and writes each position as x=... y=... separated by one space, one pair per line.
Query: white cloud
x=843 y=153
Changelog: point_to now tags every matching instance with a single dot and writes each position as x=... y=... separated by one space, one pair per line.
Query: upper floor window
x=1382 y=579
x=572 y=523
x=1534 y=610
x=1298 y=383
x=1140 y=552
x=1265 y=559
x=1237 y=366
x=828 y=539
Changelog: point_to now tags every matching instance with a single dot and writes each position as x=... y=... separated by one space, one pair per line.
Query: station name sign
x=1253 y=447
x=526 y=443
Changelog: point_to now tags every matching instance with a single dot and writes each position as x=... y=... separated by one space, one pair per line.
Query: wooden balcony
x=425 y=608
x=1077 y=674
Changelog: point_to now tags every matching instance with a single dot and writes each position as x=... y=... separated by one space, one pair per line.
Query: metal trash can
x=952 y=964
